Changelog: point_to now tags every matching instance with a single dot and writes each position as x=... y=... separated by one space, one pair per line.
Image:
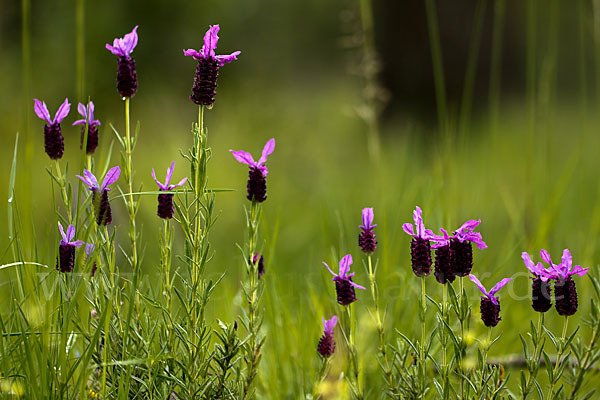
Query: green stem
x=63 y=188
x=445 y=338
x=422 y=356
x=537 y=353
x=374 y=294
x=584 y=367
x=108 y=306
x=561 y=350
x=325 y=362
x=354 y=369
x=462 y=337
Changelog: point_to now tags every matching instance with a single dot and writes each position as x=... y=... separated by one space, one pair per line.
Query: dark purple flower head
x=87 y=112
x=466 y=233
x=89 y=250
x=166 y=185
x=344 y=287
x=41 y=111
x=89 y=179
x=126 y=73
x=493 y=291
x=208 y=49
x=421 y=232
x=123 y=47
x=326 y=346
x=100 y=193
x=366 y=239
x=54 y=144
x=66 y=250
x=259 y=262
x=257 y=182
x=67 y=239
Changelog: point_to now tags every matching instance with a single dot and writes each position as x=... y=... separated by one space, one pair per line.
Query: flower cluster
x=87 y=112
x=490 y=304
x=366 y=238
x=326 y=346
x=344 y=286
x=166 y=208
x=565 y=293
x=100 y=201
x=66 y=249
x=453 y=253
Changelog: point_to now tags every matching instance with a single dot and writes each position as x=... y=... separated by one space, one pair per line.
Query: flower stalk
x=562 y=346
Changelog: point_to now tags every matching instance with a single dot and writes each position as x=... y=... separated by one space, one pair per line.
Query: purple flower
x=66 y=250
x=490 y=305
x=126 y=73
x=565 y=292
x=366 y=238
x=165 y=200
x=89 y=250
x=54 y=144
x=541 y=299
x=207 y=71
x=326 y=346
x=100 y=193
x=257 y=177
x=461 y=248
x=259 y=262
x=92 y=126
x=444 y=268
x=466 y=233
x=420 y=247
x=344 y=286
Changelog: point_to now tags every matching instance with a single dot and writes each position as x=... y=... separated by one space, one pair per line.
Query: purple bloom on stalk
x=462 y=250
x=541 y=299
x=87 y=112
x=420 y=247
x=126 y=73
x=326 y=346
x=257 y=177
x=207 y=72
x=443 y=270
x=165 y=200
x=565 y=293
x=259 y=262
x=366 y=238
x=54 y=144
x=490 y=304
x=66 y=250
x=100 y=193
x=89 y=250
x=344 y=286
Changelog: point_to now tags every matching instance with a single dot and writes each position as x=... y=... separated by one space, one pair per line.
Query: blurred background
x=469 y=109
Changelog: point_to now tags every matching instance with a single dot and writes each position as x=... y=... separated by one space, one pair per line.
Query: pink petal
x=81 y=109
x=210 y=41
x=70 y=233
x=111 y=176
x=408 y=228
x=181 y=183
x=367 y=217
x=545 y=256
x=479 y=285
x=115 y=48
x=193 y=53
x=567 y=260
x=332 y=273
x=499 y=286
x=77 y=243
x=226 y=59
x=130 y=41
x=345 y=264
x=160 y=185
x=470 y=224
x=169 y=174
x=243 y=157
x=329 y=325
x=79 y=122
x=62 y=232
x=268 y=149
x=578 y=270
x=41 y=110
x=418 y=218
x=91 y=179
x=62 y=112
x=91 y=113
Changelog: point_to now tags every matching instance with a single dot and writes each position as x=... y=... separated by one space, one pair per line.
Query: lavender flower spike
x=165 y=200
x=89 y=250
x=66 y=250
x=87 y=112
x=462 y=250
x=420 y=247
x=326 y=346
x=126 y=73
x=207 y=72
x=541 y=299
x=366 y=238
x=54 y=144
x=444 y=268
x=257 y=177
x=344 y=286
x=490 y=304
x=565 y=293
x=100 y=193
